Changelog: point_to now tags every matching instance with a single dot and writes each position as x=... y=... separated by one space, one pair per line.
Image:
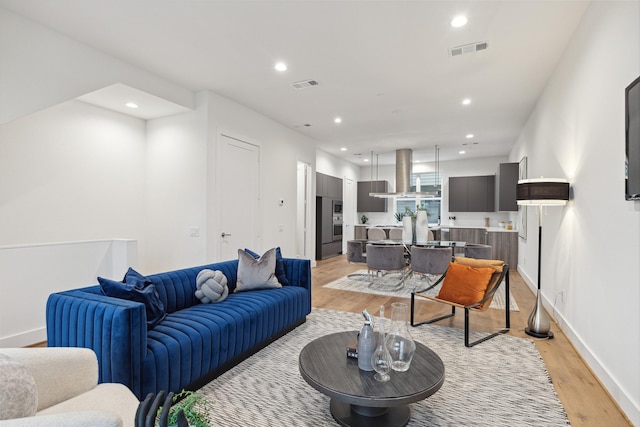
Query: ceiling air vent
x=468 y=48
x=303 y=84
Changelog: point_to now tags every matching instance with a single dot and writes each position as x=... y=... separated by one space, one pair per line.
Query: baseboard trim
x=24 y=339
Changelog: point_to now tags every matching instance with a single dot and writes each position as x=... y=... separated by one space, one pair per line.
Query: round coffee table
x=357 y=399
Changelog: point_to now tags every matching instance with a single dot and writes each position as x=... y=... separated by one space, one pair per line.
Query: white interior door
x=238 y=206
x=348 y=212
x=303 y=214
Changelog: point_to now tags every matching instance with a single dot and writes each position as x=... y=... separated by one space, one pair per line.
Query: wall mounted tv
x=632 y=132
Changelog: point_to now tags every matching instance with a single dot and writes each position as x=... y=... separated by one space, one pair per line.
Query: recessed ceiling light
x=281 y=66
x=131 y=105
x=459 y=21
x=466 y=101
x=461 y=152
x=337 y=120
x=366 y=160
x=469 y=136
x=343 y=149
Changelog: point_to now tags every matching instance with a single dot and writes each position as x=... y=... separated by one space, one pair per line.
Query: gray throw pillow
x=257 y=273
x=211 y=286
x=18 y=393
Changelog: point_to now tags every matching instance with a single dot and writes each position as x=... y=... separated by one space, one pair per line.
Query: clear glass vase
x=381 y=359
x=399 y=343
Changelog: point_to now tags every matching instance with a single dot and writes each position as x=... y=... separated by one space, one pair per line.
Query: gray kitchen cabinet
x=328 y=186
x=504 y=244
x=469 y=235
x=505 y=247
x=472 y=193
x=458 y=188
x=367 y=203
x=507 y=184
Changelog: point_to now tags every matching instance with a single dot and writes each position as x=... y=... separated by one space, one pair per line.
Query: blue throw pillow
x=280 y=273
x=136 y=287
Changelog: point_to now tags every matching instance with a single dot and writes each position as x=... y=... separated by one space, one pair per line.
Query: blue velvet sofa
x=194 y=343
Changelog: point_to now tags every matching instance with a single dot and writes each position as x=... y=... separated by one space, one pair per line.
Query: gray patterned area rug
x=501 y=382
x=386 y=285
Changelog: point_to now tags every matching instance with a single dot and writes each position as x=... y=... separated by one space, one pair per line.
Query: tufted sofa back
x=177 y=288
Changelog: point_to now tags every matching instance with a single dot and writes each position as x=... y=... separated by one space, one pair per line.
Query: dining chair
x=376 y=234
x=395 y=233
x=429 y=262
x=478 y=251
x=356 y=253
x=425 y=237
x=382 y=259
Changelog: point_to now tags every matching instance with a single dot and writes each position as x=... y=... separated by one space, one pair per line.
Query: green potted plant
x=399 y=216
x=193 y=404
x=364 y=219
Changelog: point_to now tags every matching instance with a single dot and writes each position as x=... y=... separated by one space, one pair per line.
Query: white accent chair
x=395 y=233
x=376 y=234
x=49 y=386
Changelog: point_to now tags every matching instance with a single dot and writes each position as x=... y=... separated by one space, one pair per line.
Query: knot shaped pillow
x=211 y=286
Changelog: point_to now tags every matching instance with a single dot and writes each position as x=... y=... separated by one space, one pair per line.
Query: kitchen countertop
x=439 y=227
x=492 y=229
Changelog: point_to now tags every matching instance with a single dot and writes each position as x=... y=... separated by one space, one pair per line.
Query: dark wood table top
x=325 y=366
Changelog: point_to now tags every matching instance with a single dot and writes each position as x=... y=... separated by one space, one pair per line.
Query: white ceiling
x=382 y=66
x=117 y=96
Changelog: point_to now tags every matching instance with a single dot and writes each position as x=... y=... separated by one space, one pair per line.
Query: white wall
x=175 y=192
x=29 y=273
x=590 y=271
x=71 y=172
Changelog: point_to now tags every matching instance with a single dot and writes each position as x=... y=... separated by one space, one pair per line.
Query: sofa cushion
x=256 y=273
x=136 y=287
x=211 y=286
x=280 y=273
x=18 y=394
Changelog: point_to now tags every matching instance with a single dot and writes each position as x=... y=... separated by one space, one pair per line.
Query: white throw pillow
x=18 y=393
x=257 y=273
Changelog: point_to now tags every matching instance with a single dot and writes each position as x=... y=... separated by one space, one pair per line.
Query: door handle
x=223 y=235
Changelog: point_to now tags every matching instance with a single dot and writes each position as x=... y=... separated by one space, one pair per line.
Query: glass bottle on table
x=366 y=346
x=381 y=359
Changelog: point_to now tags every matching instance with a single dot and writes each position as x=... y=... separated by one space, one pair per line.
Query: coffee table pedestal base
x=366 y=416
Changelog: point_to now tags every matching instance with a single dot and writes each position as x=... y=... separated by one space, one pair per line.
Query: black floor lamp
x=541 y=192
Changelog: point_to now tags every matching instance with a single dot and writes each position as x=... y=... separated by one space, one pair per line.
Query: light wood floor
x=587 y=403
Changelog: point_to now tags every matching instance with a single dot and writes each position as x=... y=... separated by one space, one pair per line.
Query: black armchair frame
x=496 y=279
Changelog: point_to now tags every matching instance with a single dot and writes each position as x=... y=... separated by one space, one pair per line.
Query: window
x=429 y=181
x=432 y=206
